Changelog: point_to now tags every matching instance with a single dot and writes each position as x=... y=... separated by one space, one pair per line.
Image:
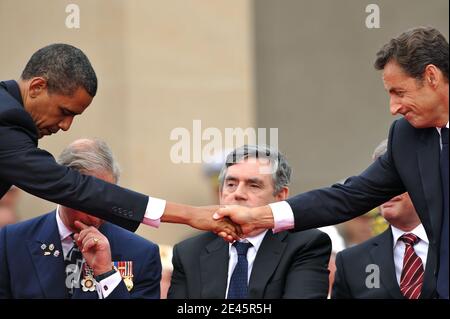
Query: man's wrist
x=104 y=274
x=263 y=217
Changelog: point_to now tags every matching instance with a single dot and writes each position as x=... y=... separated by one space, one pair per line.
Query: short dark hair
x=65 y=67
x=414 y=49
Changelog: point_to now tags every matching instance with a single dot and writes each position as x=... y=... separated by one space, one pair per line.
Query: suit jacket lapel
x=50 y=269
x=383 y=255
x=428 y=158
x=214 y=269
x=266 y=261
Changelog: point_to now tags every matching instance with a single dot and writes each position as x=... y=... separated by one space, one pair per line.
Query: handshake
x=231 y=222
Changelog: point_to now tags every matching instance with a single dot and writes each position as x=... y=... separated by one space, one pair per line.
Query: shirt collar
x=419 y=231
x=64 y=232
x=439 y=129
x=255 y=240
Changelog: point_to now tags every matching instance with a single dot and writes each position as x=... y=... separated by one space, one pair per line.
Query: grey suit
x=287 y=265
x=351 y=275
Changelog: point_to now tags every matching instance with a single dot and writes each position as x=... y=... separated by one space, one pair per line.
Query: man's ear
x=282 y=194
x=432 y=75
x=37 y=86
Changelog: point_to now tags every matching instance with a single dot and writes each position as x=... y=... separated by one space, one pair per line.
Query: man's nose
x=66 y=123
x=240 y=193
x=394 y=106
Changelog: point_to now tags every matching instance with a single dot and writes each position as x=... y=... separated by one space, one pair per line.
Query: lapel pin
x=51 y=247
x=43 y=246
x=56 y=253
x=46 y=253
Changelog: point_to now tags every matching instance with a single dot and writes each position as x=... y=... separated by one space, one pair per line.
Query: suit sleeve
x=36 y=172
x=178 y=283
x=308 y=276
x=340 y=286
x=359 y=194
x=5 y=288
x=147 y=282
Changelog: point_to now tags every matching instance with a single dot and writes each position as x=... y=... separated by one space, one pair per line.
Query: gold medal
x=87 y=284
x=125 y=268
x=128 y=282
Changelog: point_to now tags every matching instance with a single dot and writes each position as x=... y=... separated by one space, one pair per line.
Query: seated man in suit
x=264 y=265
x=393 y=264
x=39 y=257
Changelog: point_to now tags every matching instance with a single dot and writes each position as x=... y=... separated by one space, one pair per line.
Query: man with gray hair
x=263 y=265
x=71 y=254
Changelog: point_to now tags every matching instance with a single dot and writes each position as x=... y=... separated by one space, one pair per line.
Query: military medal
x=87 y=283
x=125 y=269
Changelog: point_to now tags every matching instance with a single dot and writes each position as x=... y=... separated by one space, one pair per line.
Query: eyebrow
x=69 y=111
x=396 y=90
x=249 y=180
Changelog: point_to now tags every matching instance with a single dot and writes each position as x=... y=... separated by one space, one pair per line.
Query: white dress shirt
x=439 y=131
x=421 y=248
x=153 y=211
x=105 y=286
x=251 y=255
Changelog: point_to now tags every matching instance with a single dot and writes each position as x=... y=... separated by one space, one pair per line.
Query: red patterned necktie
x=411 y=279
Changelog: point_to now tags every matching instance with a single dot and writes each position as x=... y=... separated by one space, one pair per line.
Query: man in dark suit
x=378 y=267
x=39 y=258
x=282 y=265
x=415 y=74
x=57 y=84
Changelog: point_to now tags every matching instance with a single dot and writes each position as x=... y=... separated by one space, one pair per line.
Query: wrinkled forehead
x=251 y=168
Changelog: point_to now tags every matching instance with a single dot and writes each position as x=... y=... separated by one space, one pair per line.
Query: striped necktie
x=411 y=279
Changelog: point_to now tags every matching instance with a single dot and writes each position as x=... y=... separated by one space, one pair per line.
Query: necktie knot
x=444 y=135
x=409 y=239
x=242 y=247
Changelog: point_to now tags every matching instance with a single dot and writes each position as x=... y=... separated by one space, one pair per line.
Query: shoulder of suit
x=7 y=102
x=364 y=247
x=28 y=228
x=197 y=241
x=306 y=234
x=402 y=125
x=13 y=114
x=130 y=239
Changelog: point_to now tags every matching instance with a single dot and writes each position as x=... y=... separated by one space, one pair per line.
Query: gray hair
x=65 y=67
x=281 y=172
x=90 y=156
x=380 y=150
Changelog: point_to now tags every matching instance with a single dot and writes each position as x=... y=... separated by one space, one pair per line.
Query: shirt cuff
x=283 y=216
x=153 y=212
x=106 y=286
